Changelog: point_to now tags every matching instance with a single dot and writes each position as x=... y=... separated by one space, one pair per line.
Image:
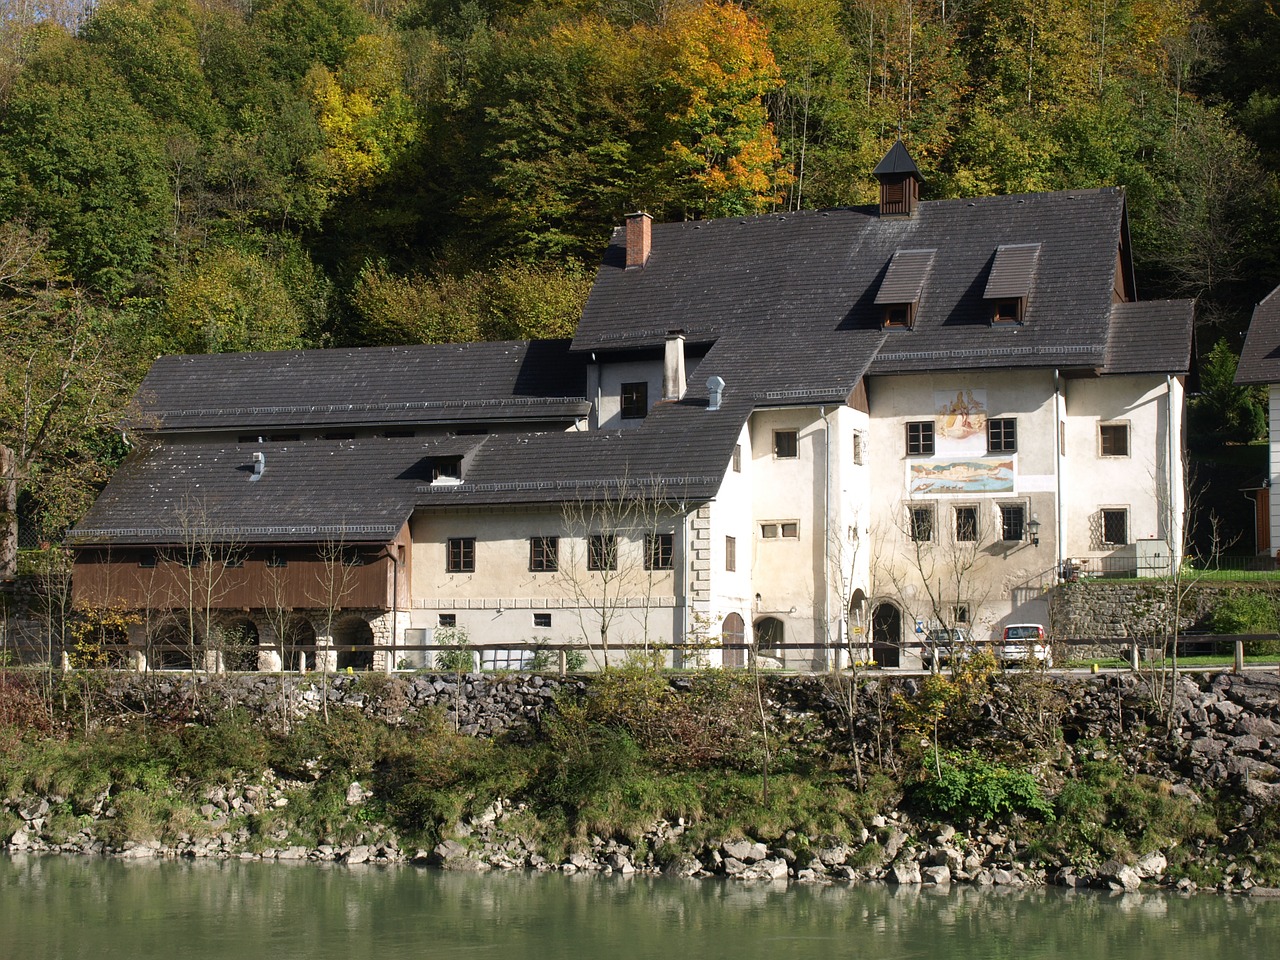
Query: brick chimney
x=673 y=379
x=639 y=239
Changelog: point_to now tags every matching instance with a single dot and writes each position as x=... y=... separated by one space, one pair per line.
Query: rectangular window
x=920 y=522
x=967 y=524
x=275 y=559
x=542 y=620
x=147 y=559
x=602 y=552
x=233 y=561
x=1113 y=439
x=659 y=551
x=737 y=458
x=1115 y=526
x=786 y=444
x=859 y=447
x=787 y=530
x=448 y=621
x=342 y=435
x=1002 y=435
x=1013 y=521
x=635 y=400
x=960 y=613
x=544 y=554
x=462 y=555
x=730 y=554
x=920 y=438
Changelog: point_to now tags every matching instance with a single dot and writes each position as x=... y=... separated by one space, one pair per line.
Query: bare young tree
x=617 y=545
x=334 y=581
x=206 y=553
x=934 y=562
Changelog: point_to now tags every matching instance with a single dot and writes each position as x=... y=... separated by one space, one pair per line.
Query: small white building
x=805 y=433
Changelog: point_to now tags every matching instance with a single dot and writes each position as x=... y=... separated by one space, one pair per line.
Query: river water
x=72 y=907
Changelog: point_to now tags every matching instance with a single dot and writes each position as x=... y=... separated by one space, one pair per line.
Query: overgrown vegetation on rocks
x=977 y=776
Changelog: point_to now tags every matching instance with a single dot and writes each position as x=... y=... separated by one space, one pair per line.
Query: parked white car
x=1025 y=643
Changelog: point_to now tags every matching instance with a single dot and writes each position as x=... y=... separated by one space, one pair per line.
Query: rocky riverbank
x=1218 y=737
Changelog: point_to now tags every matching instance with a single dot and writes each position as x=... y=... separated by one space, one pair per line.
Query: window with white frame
x=1113 y=439
x=1013 y=522
x=1115 y=526
x=920 y=522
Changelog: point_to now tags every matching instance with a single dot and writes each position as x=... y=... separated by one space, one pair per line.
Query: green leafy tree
x=79 y=156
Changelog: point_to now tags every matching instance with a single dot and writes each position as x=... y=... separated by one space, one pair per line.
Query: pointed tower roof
x=897 y=162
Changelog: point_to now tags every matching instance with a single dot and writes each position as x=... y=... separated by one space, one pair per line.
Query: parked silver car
x=1025 y=643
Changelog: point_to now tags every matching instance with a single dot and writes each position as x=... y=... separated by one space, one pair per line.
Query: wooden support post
x=1133 y=656
x=1239 y=667
x=563 y=662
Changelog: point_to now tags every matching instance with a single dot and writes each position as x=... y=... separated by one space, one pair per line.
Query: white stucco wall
x=496 y=603
x=1147 y=483
x=611 y=378
x=997 y=581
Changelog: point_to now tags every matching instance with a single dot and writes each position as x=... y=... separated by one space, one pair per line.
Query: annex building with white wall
x=809 y=436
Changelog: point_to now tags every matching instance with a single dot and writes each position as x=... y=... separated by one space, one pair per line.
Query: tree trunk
x=8 y=513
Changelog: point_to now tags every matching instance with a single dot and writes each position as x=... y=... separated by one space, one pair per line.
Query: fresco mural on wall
x=980 y=475
x=960 y=427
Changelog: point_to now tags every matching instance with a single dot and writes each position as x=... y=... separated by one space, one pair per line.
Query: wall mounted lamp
x=1033 y=530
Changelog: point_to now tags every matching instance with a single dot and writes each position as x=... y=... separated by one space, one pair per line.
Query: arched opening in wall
x=170 y=649
x=857 y=643
x=238 y=643
x=353 y=639
x=770 y=636
x=886 y=635
x=298 y=646
x=733 y=635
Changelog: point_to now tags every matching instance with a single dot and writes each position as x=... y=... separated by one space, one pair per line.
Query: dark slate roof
x=679 y=453
x=1152 y=336
x=524 y=380
x=358 y=490
x=1260 y=359
x=794 y=295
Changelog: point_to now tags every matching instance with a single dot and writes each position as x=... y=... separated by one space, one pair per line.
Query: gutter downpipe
x=1059 y=532
x=826 y=541
x=1175 y=505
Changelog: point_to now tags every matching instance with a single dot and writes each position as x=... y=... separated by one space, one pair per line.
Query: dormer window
x=1013 y=269
x=902 y=286
x=446 y=470
x=1007 y=311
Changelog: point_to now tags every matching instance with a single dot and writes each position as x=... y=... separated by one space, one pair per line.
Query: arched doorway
x=353 y=639
x=239 y=644
x=857 y=640
x=170 y=648
x=733 y=633
x=886 y=635
x=770 y=636
x=298 y=646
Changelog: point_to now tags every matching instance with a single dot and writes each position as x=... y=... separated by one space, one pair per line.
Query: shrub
x=1248 y=611
x=966 y=785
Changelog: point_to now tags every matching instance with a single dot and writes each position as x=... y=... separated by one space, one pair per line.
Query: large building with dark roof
x=1260 y=364
x=819 y=434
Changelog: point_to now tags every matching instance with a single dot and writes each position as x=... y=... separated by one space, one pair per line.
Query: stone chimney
x=639 y=239
x=673 y=381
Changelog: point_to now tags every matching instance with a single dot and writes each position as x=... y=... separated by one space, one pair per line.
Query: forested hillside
x=216 y=175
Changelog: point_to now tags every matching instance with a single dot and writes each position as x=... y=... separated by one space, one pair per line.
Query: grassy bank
x=723 y=753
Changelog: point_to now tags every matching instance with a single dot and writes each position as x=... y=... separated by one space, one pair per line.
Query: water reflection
x=72 y=907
